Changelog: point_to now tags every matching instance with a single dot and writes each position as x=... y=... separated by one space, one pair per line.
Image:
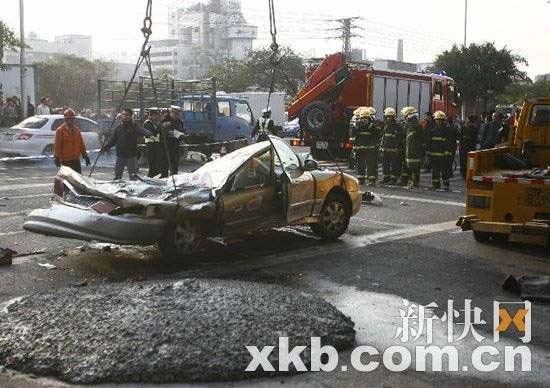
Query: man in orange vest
x=69 y=144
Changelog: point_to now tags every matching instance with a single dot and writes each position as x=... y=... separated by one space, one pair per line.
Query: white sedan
x=36 y=135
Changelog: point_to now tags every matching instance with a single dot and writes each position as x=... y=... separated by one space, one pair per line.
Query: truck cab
x=219 y=119
x=508 y=187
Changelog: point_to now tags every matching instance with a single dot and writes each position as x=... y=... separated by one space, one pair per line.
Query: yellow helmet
x=368 y=111
x=439 y=115
x=389 y=111
x=357 y=112
x=409 y=111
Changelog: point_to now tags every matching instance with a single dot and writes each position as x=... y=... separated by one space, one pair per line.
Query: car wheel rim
x=315 y=118
x=186 y=237
x=334 y=217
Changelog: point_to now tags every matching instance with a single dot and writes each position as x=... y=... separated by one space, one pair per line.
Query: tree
x=517 y=91
x=481 y=71
x=255 y=71
x=8 y=41
x=71 y=81
x=231 y=75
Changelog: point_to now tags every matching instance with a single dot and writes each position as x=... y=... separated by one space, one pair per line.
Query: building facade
x=41 y=50
x=200 y=36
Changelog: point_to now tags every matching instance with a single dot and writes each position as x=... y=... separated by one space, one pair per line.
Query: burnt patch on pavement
x=188 y=330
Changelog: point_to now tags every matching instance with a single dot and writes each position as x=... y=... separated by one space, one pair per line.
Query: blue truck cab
x=215 y=119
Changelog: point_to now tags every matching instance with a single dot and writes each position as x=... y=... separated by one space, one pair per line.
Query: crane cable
x=147 y=31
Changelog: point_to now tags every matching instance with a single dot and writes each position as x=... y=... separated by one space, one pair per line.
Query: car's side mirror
x=310 y=165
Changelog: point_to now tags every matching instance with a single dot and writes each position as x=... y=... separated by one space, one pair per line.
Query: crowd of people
x=161 y=137
x=412 y=143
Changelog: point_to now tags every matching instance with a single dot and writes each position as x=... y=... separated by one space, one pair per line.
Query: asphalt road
x=407 y=249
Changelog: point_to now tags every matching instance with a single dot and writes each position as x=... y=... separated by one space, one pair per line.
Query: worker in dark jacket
x=392 y=147
x=172 y=128
x=494 y=130
x=366 y=139
x=468 y=141
x=155 y=153
x=125 y=138
x=414 y=145
x=440 y=143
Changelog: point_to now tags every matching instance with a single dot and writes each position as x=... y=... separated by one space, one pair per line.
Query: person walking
x=414 y=145
x=392 y=147
x=68 y=144
x=125 y=138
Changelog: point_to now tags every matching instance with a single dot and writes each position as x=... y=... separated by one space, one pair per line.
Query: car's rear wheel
x=181 y=239
x=48 y=150
x=482 y=237
x=334 y=218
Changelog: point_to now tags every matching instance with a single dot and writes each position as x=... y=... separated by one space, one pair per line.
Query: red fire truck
x=336 y=88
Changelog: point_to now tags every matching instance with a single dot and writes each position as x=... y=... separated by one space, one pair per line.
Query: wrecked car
x=261 y=186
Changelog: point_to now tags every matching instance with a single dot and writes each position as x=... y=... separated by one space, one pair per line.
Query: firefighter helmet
x=409 y=111
x=365 y=111
x=389 y=111
x=69 y=114
x=439 y=115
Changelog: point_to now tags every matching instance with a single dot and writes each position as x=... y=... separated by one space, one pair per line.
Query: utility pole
x=465 y=21
x=346 y=29
x=22 y=69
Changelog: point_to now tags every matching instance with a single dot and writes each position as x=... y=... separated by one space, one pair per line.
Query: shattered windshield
x=215 y=173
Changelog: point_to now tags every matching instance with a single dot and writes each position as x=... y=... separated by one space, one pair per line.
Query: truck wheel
x=180 y=239
x=316 y=118
x=482 y=237
x=334 y=219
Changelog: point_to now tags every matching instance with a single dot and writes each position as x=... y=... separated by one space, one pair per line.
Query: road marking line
x=5 y=234
x=30 y=196
x=24 y=186
x=47 y=177
x=426 y=200
x=6 y=214
x=382 y=223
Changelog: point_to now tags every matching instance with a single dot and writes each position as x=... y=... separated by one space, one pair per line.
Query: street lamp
x=22 y=69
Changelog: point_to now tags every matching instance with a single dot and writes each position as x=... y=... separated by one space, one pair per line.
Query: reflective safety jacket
x=414 y=142
x=393 y=138
x=442 y=141
x=365 y=135
x=154 y=128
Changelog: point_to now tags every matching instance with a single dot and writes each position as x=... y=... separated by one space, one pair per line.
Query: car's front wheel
x=180 y=239
x=48 y=150
x=334 y=218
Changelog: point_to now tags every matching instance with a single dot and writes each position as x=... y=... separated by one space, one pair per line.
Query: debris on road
x=6 y=256
x=403 y=203
x=82 y=283
x=106 y=248
x=372 y=198
x=533 y=288
x=162 y=332
x=47 y=265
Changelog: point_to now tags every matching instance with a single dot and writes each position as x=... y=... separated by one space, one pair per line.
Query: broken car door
x=298 y=185
x=248 y=199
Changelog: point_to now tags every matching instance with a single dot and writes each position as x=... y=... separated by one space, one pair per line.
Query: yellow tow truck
x=508 y=187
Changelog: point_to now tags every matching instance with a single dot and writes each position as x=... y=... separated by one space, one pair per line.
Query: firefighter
x=365 y=136
x=264 y=124
x=68 y=144
x=172 y=127
x=392 y=147
x=438 y=149
x=414 y=145
x=155 y=153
